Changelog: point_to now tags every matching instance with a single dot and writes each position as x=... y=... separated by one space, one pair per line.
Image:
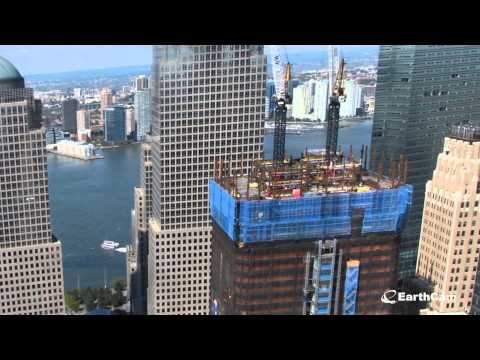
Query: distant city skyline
x=45 y=59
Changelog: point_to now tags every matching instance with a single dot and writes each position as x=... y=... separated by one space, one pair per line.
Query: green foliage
x=72 y=302
x=98 y=297
x=119 y=285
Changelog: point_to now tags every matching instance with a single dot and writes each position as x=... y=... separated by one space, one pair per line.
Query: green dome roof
x=9 y=75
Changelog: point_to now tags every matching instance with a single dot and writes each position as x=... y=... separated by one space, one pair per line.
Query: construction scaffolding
x=314 y=215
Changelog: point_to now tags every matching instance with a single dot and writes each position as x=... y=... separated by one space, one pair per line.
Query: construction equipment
x=282 y=74
x=337 y=95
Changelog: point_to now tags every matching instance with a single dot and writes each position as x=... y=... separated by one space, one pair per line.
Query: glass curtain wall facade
x=421 y=91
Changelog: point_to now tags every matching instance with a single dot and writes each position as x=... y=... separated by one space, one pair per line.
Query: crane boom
x=337 y=94
x=282 y=73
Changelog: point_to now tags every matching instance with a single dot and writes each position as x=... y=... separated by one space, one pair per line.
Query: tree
x=104 y=298
x=71 y=302
x=119 y=285
x=88 y=297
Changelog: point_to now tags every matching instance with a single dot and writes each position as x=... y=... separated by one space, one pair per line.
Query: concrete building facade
x=208 y=105
x=31 y=273
x=137 y=257
x=450 y=233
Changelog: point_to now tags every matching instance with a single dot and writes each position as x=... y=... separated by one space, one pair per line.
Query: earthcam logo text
x=393 y=296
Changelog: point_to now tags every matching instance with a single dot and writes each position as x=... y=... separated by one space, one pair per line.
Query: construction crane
x=282 y=74
x=336 y=79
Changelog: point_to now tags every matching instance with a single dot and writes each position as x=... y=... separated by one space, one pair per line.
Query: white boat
x=109 y=245
x=122 y=250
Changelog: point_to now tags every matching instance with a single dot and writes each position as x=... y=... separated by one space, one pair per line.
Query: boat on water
x=110 y=245
x=122 y=250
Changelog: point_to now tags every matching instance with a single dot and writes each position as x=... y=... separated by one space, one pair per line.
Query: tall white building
x=83 y=120
x=320 y=100
x=310 y=100
x=353 y=99
x=143 y=113
x=208 y=106
x=129 y=119
x=31 y=274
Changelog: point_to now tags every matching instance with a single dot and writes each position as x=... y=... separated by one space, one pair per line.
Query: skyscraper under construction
x=311 y=236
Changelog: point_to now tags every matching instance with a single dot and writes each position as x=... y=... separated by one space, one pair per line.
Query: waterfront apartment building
x=310 y=100
x=31 y=273
x=208 y=105
x=299 y=239
x=106 y=98
x=450 y=234
x=106 y=101
x=83 y=120
x=137 y=258
x=143 y=113
x=69 y=111
x=353 y=99
x=114 y=124
x=421 y=91
x=129 y=120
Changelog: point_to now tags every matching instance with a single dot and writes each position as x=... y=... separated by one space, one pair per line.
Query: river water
x=91 y=201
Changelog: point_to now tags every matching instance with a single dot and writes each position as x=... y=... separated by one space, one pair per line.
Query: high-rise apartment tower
x=31 y=275
x=208 y=106
x=421 y=91
x=143 y=113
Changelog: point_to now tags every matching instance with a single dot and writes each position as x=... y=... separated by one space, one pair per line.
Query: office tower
x=83 y=120
x=69 y=110
x=208 y=105
x=283 y=245
x=353 y=99
x=106 y=98
x=450 y=232
x=129 y=120
x=37 y=113
x=114 y=123
x=31 y=275
x=421 y=91
x=143 y=113
x=137 y=257
x=141 y=83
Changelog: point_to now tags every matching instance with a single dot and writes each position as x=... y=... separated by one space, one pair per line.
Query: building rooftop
x=465 y=132
x=309 y=176
x=10 y=77
x=307 y=199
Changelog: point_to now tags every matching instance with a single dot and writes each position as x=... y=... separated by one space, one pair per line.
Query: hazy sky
x=40 y=59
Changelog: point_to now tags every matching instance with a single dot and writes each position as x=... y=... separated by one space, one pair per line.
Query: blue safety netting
x=319 y=216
